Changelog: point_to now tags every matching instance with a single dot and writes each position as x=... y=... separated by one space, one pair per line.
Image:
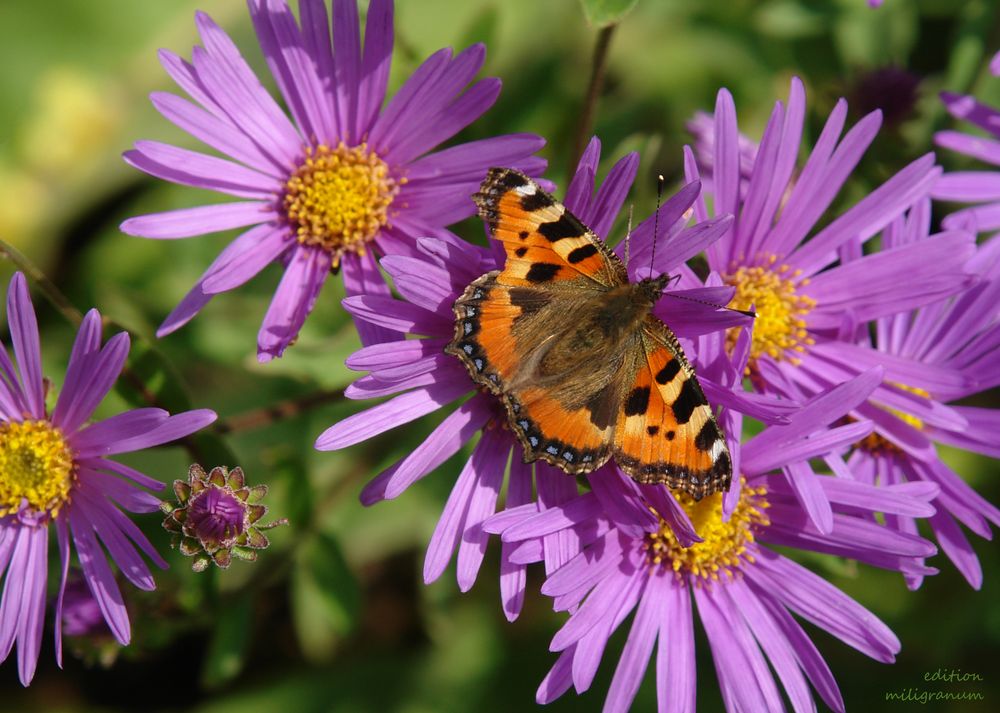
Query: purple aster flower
x=55 y=471
x=628 y=554
x=981 y=188
x=423 y=378
x=804 y=299
x=937 y=354
x=342 y=179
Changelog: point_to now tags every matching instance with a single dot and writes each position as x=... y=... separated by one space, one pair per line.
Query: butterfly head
x=650 y=289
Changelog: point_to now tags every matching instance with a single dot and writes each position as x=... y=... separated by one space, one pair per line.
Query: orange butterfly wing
x=544 y=242
x=665 y=431
x=497 y=354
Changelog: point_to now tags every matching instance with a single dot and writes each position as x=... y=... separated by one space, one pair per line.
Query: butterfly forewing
x=544 y=242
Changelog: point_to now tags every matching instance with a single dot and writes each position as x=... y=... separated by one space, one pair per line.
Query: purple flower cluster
x=56 y=473
x=850 y=337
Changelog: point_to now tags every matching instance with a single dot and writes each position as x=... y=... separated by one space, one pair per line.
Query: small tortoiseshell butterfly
x=585 y=371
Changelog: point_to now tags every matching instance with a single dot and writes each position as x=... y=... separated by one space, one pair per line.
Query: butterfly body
x=585 y=370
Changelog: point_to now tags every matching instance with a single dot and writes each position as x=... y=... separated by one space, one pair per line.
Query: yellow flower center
x=874 y=443
x=725 y=543
x=338 y=199
x=779 y=328
x=36 y=467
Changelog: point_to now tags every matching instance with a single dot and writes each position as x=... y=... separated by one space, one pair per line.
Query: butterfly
x=569 y=344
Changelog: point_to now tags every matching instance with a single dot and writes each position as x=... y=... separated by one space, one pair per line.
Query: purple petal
x=217 y=132
x=513 y=576
x=810 y=494
x=395 y=412
x=190 y=168
x=292 y=302
x=399 y=316
x=675 y=660
x=99 y=577
x=93 y=383
x=362 y=277
x=86 y=347
x=374 y=64
x=454 y=432
x=638 y=647
x=957 y=548
x=259 y=247
x=611 y=195
x=496 y=445
x=24 y=334
x=230 y=82
x=818 y=601
x=869 y=215
x=188 y=222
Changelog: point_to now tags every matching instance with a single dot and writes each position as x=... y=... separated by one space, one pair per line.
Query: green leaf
x=228 y=647
x=326 y=598
x=601 y=13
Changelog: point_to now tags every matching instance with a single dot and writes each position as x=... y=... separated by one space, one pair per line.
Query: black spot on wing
x=690 y=398
x=529 y=300
x=652 y=430
x=521 y=252
x=523 y=235
x=668 y=372
x=669 y=435
x=536 y=201
x=541 y=272
x=602 y=407
x=566 y=227
x=581 y=253
x=707 y=436
x=637 y=401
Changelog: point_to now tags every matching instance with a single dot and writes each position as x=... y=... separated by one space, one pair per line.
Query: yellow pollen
x=725 y=543
x=338 y=199
x=36 y=467
x=874 y=443
x=779 y=328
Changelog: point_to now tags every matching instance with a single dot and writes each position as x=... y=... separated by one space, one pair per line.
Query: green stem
x=597 y=72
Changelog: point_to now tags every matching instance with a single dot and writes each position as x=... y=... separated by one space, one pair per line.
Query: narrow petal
x=86 y=348
x=292 y=302
x=395 y=412
x=496 y=445
x=188 y=222
x=99 y=577
x=190 y=168
x=635 y=656
x=869 y=215
x=93 y=383
x=24 y=334
x=675 y=660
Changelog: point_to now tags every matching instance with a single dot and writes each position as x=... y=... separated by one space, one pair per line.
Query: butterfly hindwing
x=544 y=242
x=497 y=337
x=665 y=432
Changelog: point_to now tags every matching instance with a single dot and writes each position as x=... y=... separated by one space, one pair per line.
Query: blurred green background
x=335 y=617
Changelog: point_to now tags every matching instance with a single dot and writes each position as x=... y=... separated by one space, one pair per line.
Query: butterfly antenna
x=628 y=234
x=744 y=312
x=660 y=180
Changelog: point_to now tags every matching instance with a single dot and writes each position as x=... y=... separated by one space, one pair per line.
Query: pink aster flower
x=342 y=179
x=980 y=188
x=422 y=378
x=626 y=554
x=789 y=272
x=55 y=472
